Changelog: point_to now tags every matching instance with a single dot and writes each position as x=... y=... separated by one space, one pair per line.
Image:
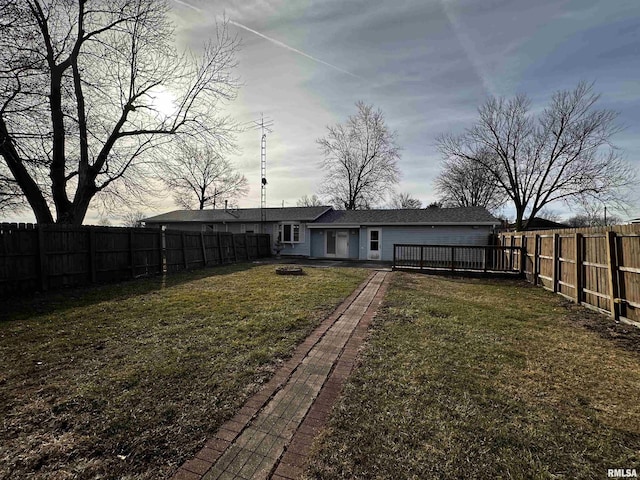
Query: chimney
x=225 y=205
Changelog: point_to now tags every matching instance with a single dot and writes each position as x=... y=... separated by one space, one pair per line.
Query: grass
x=127 y=381
x=485 y=380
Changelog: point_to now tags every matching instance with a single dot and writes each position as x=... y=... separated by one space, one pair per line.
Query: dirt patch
x=622 y=334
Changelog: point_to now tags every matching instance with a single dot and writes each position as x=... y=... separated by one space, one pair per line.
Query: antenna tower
x=265 y=127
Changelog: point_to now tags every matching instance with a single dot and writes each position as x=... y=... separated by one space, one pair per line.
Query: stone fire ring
x=289 y=271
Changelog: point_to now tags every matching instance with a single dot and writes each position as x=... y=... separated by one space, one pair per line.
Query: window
x=375 y=239
x=243 y=228
x=290 y=233
x=209 y=228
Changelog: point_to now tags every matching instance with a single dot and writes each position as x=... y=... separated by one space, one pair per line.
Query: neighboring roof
x=541 y=224
x=425 y=216
x=243 y=215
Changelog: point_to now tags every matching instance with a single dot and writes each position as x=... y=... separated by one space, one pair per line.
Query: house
x=322 y=232
x=288 y=224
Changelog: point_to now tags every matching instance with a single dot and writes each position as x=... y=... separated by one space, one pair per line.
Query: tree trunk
x=26 y=183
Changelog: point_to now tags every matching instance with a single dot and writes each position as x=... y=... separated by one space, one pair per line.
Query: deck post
x=453 y=258
x=394 y=255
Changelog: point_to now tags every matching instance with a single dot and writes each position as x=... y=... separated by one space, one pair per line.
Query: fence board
x=35 y=258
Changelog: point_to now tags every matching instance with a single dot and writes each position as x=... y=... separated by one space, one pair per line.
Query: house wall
x=317 y=242
x=303 y=248
x=425 y=235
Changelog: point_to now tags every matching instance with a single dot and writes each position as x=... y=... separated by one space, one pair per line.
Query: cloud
x=277 y=42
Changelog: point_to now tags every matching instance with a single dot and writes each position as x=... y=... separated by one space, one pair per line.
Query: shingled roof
x=242 y=215
x=426 y=216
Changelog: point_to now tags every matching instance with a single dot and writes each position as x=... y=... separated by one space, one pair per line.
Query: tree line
x=99 y=106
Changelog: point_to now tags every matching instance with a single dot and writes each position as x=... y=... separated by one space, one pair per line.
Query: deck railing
x=471 y=258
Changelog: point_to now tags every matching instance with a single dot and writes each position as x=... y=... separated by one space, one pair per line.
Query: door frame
x=326 y=237
x=379 y=251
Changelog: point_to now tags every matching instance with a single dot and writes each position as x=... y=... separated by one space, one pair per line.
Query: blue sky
x=428 y=64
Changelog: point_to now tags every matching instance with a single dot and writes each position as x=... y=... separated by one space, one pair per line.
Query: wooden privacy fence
x=466 y=258
x=598 y=267
x=38 y=258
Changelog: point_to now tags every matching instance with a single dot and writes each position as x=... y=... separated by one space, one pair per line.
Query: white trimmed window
x=289 y=232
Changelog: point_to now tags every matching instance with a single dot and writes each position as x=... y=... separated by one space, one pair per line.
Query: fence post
x=578 y=254
x=612 y=273
x=246 y=246
x=556 y=254
x=204 y=250
x=421 y=257
x=536 y=259
x=219 y=248
x=184 y=251
x=92 y=255
x=42 y=259
x=132 y=256
x=511 y=244
x=523 y=255
x=235 y=249
x=162 y=250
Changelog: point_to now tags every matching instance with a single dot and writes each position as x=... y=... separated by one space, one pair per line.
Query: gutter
x=398 y=224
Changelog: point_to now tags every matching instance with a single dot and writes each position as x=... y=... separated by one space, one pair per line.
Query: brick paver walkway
x=272 y=433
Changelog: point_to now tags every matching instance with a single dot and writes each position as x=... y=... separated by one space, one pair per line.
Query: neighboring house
x=322 y=232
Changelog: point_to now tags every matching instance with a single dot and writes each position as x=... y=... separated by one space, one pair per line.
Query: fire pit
x=289 y=271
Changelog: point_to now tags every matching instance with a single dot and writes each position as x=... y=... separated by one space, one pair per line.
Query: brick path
x=271 y=435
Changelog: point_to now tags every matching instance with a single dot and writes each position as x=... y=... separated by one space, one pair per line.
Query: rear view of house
x=322 y=232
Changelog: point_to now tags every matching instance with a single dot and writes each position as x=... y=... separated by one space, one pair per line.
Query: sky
x=427 y=64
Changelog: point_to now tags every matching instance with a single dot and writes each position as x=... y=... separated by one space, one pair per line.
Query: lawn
x=128 y=380
x=484 y=380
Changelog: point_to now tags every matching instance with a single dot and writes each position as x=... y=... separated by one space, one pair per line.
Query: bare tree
x=309 y=201
x=467 y=183
x=132 y=218
x=404 y=200
x=360 y=160
x=593 y=214
x=89 y=89
x=563 y=153
x=199 y=177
